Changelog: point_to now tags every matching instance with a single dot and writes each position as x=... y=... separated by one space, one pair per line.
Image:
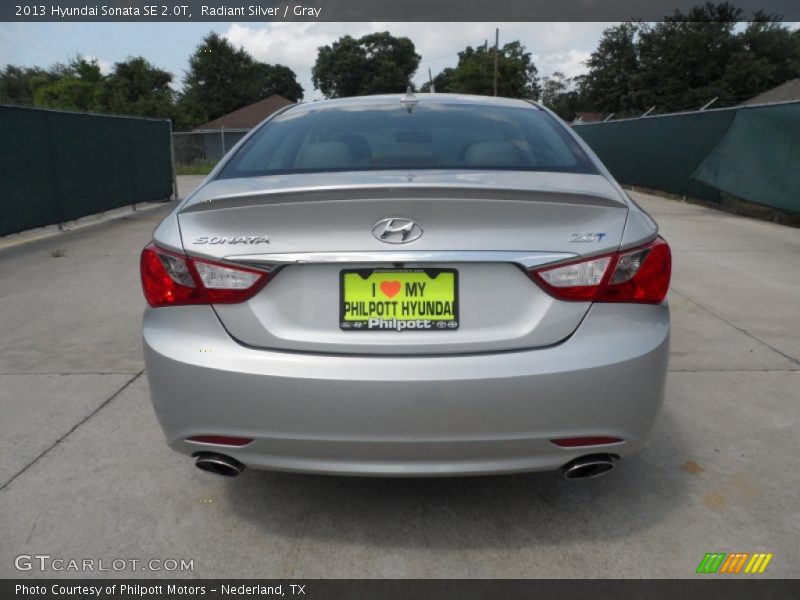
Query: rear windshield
x=431 y=136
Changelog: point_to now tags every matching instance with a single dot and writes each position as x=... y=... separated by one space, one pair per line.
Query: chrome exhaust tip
x=219 y=464
x=588 y=466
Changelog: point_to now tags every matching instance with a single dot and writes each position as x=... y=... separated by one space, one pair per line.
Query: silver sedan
x=403 y=286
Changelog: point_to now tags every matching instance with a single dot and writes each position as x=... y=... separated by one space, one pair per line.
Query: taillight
x=637 y=275
x=640 y=275
x=225 y=284
x=172 y=279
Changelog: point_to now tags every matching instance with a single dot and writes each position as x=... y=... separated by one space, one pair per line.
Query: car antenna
x=409 y=100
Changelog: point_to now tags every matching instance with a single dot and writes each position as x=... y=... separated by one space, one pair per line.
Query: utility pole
x=496 y=47
x=430 y=80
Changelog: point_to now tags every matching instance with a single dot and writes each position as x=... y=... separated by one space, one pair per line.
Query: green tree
x=689 y=58
x=18 y=84
x=768 y=56
x=682 y=60
x=610 y=84
x=517 y=76
x=378 y=63
x=222 y=78
x=442 y=83
x=136 y=87
x=78 y=85
x=279 y=79
x=558 y=95
x=554 y=87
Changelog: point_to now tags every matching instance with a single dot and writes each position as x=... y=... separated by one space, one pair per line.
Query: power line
x=439 y=57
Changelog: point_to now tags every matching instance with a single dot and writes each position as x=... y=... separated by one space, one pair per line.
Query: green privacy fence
x=59 y=166
x=752 y=153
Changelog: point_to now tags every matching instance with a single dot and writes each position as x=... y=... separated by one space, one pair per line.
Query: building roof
x=586 y=117
x=786 y=92
x=248 y=116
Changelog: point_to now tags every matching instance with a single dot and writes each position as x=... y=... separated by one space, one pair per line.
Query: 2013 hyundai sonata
x=407 y=285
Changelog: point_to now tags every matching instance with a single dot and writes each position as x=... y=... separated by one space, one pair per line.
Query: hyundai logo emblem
x=396 y=230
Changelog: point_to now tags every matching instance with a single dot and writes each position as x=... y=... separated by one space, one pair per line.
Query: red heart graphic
x=390 y=288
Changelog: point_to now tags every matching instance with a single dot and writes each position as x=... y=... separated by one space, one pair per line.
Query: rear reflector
x=220 y=440
x=172 y=279
x=586 y=441
x=639 y=275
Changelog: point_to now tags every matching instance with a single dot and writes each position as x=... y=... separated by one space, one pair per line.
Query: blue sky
x=555 y=46
x=165 y=44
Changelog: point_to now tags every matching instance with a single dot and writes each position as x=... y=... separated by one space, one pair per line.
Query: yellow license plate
x=398 y=300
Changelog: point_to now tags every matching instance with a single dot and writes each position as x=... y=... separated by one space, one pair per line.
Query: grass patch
x=203 y=168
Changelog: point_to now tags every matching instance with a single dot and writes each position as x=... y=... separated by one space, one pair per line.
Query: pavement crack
x=30 y=535
x=72 y=429
x=736 y=327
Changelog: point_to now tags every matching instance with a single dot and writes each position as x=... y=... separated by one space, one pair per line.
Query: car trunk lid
x=484 y=227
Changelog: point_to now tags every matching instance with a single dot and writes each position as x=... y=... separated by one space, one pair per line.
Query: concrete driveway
x=84 y=472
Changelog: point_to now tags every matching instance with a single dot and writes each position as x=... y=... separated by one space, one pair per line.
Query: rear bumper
x=437 y=415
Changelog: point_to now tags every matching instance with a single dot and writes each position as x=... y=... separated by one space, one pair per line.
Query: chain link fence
x=197 y=152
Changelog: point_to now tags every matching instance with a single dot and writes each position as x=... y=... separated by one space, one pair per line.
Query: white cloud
x=291 y=44
x=570 y=63
x=555 y=46
x=105 y=66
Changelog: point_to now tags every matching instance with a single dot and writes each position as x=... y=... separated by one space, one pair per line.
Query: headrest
x=492 y=153
x=358 y=144
x=324 y=155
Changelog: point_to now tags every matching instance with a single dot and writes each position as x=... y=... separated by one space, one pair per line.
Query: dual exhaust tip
x=584 y=467
x=219 y=464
